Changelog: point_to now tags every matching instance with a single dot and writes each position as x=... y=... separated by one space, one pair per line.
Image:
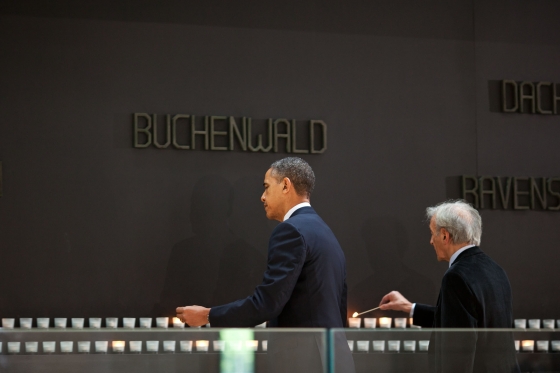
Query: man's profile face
x=436 y=240
x=272 y=196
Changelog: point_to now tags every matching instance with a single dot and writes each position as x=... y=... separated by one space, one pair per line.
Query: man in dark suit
x=475 y=293
x=305 y=281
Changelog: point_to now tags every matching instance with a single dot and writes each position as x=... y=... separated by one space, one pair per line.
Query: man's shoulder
x=306 y=218
x=476 y=267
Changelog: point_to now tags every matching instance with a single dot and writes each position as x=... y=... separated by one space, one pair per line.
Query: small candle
x=84 y=347
x=534 y=323
x=218 y=345
x=520 y=323
x=370 y=322
x=177 y=323
x=394 y=346
x=557 y=324
x=14 y=347
x=350 y=344
x=409 y=346
x=265 y=345
x=111 y=322
x=8 y=323
x=101 y=347
x=542 y=346
x=129 y=322
x=66 y=347
x=548 y=324
x=385 y=322
x=135 y=346
x=252 y=345
x=263 y=325
x=555 y=346
x=152 y=346
x=77 y=323
x=31 y=347
x=145 y=322
x=169 y=346
x=95 y=322
x=43 y=322
x=60 y=322
x=201 y=346
x=362 y=346
x=354 y=322
x=118 y=346
x=378 y=346
x=185 y=346
x=423 y=346
x=517 y=345
x=48 y=347
x=25 y=322
x=400 y=322
x=162 y=322
x=528 y=346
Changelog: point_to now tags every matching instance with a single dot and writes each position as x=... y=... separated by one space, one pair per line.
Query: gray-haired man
x=475 y=293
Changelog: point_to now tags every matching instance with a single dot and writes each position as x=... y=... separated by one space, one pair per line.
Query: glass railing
x=259 y=350
x=205 y=350
x=446 y=350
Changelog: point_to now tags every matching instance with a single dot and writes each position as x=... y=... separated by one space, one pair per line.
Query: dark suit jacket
x=304 y=284
x=475 y=293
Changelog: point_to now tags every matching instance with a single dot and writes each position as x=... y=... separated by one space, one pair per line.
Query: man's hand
x=193 y=315
x=396 y=302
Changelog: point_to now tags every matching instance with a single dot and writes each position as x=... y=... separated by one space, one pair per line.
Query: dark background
x=90 y=226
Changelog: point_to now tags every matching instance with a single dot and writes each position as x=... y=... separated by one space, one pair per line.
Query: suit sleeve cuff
x=411 y=314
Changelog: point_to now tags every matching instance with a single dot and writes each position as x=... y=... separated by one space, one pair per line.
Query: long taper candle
x=361 y=313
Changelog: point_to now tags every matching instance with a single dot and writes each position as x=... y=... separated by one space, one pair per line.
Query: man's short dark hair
x=298 y=171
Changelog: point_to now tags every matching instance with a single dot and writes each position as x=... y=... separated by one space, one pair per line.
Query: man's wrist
x=208 y=316
x=411 y=312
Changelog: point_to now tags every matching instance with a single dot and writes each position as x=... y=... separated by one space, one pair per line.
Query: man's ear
x=287 y=185
x=446 y=235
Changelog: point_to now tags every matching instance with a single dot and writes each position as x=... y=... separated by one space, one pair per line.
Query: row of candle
x=84 y=347
x=542 y=346
x=384 y=322
x=401 y=322
x=410 y=346
x=536 y=323
x=94 y=322
x=392 y=346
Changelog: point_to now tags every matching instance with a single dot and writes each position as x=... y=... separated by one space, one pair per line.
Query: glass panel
x=163 y=350
x=445 y=350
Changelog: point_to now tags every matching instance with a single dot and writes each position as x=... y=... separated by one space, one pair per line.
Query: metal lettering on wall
x=512 y=193
x=530 y=97
x=220 y=133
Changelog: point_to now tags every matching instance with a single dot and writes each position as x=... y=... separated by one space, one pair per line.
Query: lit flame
x=355 y=314
x=527 y=343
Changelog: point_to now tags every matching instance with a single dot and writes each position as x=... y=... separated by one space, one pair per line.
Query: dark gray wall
x=90 y=226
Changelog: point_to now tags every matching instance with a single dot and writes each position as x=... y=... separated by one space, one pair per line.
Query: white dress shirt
x=296 y=207
x=457 y=253
x=451 y=260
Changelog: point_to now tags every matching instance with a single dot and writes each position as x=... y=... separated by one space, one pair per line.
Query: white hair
x=459 y=218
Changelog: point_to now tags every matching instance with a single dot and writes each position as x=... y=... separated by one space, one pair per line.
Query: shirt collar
x=296 y=207
x=456 y=254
